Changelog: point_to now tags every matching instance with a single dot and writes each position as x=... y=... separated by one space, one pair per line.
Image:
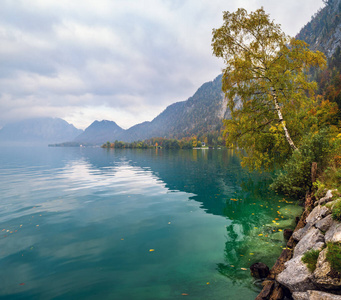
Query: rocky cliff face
x=323 y=32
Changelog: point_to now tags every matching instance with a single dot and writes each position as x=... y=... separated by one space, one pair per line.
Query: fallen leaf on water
x=184 y=294
x=151 y=250
x=22 y=283
x=207 y=283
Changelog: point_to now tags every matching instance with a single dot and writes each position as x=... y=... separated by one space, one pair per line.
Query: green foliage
x=295 y=177
x=334 y=256
x=336 y=211
x=310 y=258
x=266 y=85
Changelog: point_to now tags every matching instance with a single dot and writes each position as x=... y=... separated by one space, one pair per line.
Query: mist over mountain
x=99 y=132
x=38 y=130
x=201 y=113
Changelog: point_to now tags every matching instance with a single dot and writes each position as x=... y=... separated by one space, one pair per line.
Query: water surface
x=91 y=223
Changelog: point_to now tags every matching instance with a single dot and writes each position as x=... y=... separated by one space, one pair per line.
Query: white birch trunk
x=286 y=132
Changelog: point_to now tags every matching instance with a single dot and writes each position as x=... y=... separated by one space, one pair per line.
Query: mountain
x=100 y=132
x=38 y=130
x=201 y=113
x=323 y=32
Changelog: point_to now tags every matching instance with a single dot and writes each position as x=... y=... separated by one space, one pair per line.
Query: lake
x=92 y=223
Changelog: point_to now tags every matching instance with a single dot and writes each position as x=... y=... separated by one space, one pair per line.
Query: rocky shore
x=316 y=232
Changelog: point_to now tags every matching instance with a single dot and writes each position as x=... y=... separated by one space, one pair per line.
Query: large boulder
x=324 y=276
x=313 y=239
x=318 y=213
x=315 y=295
x=334 y=233
x=325 y=223
x=296 y=276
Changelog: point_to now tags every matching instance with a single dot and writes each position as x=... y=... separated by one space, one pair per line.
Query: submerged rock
x=259 y=270
x=287 y=233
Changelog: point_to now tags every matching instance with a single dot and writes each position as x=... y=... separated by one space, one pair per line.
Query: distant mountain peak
x=39 y=130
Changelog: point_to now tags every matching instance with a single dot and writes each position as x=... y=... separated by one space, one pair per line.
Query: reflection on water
x=133 y=224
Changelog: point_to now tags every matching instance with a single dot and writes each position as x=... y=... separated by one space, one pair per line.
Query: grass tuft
x=334 y=256
x=310 y=258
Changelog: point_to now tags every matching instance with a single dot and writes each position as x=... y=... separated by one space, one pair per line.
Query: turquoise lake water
x=91 y=223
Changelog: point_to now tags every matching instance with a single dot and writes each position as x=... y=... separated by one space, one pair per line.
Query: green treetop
x=265 y=83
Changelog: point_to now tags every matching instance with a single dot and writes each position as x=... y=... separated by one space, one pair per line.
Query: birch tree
x=265 y=82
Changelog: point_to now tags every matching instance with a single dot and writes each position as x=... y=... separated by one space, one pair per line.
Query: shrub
x=336 y=211
x=295 y=177
x=310 y=258
x=334 y=256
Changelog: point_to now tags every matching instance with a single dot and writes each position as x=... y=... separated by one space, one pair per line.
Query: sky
x=118 y=60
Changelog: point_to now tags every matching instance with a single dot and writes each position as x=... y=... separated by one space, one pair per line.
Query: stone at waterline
x=259 y=270
x=296 y=276
x=287 y=233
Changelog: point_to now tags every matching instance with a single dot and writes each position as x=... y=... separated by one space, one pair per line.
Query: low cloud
x=118 y=60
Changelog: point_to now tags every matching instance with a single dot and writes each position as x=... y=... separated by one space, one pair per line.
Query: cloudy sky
x=120 y=60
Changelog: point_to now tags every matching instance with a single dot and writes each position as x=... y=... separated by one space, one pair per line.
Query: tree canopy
x=265 y=82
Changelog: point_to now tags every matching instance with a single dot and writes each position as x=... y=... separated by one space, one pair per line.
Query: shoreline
x=289 y=278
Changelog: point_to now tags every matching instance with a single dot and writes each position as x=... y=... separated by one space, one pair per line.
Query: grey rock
x=299 y=234
x=334 y=233
x=321 y=275
x=331 y=204
x=328 y=197
x=319 y=295
x=325 y=223
x=300 y=296
x=315 y=295
x=313 y=239
x=296 y=276
x=318 y=213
